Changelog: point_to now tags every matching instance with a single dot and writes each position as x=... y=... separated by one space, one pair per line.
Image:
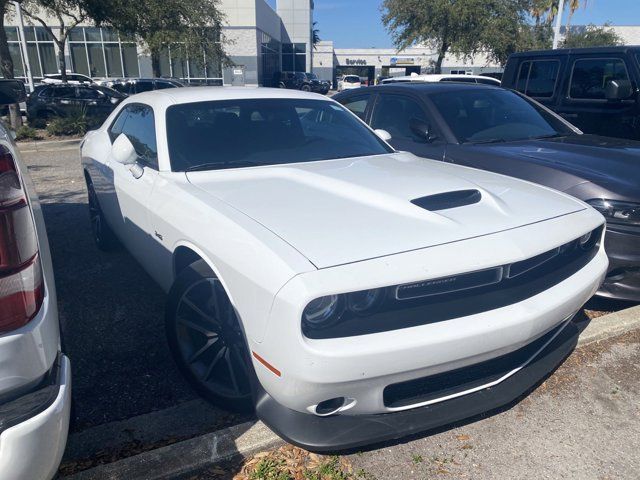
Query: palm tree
x=315 y=35
x=548 y=9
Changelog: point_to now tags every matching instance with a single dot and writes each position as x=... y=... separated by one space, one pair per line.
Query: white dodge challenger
x=348 y=292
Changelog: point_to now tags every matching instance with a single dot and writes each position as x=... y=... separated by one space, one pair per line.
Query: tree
x=6 y=65
x=63 y=11
x=194 y=25
x=461 y=27
x=591 y=36
x=315 y=35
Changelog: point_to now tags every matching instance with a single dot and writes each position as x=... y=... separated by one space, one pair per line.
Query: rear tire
x=206 y=339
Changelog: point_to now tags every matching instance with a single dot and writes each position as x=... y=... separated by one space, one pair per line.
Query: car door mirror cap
x=383 y=134
x=422 y=130
x=618 y=90
x=123 y=151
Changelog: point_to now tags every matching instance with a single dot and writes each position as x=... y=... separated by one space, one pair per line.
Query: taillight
x=21 y=283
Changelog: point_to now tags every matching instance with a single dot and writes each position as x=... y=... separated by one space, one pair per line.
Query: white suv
x=349 y=82
x=35 y=377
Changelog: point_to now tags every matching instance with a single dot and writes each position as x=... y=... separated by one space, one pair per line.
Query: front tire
x=206 y=339
x=306 y=88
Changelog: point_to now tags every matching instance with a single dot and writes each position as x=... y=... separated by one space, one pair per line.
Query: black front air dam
x=344 y=432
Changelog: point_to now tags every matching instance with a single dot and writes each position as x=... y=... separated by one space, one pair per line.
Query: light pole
x=23 y=46
x=556 y=28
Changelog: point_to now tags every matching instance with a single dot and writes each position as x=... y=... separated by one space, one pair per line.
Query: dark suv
x=307 y=82
x=131 y=86
x=59 y=99
x=596 y=89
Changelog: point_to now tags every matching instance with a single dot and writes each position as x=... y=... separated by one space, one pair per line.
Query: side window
x=589 y=77
x=116 y=127
x=140 y=127
x=542 y=78
x=63 y=92
x=144 y=86
x=162 y=85
x=394 y=113
x=358 y=105
x=523 y=76
x=88 y=94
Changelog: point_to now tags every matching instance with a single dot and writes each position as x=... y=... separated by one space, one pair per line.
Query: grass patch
x=27 y=133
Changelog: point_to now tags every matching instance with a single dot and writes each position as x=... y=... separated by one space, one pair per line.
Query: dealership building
x=261 y=38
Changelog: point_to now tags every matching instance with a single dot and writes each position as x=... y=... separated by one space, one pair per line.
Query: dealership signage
x=359 y=62
x=402 y=61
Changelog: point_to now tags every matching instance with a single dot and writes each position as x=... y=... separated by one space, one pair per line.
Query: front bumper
x=623 y=279
x=342 y=432
x=34 y=427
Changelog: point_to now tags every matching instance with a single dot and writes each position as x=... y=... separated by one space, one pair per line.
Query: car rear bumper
x=623 y=279
x=342 y=432
x=34 y=427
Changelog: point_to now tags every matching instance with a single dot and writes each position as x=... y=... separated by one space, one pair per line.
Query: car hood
x=341 y=211
x=602 y=160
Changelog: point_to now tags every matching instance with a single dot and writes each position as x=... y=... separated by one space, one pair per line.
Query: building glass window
x=175 y=64
x=270 y=56
x=102 y=52
x=41 y=49
x=294 y=57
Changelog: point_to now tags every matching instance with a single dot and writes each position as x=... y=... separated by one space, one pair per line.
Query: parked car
x=131 y=86
x=596 y=89
x=429 y=78
x=328 y=281
x=317 y=85
x=293 y=81
x=35 y=376
x=58 y=100
x=349 y=82
x=504 y=132
x=72 y=78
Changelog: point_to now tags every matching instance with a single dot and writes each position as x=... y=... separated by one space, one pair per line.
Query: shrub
x=38 y=123
x=26 y=133
x=75 y=123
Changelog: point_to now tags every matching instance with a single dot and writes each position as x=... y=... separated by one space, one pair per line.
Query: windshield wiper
x=222 y=165
x=489 y=140
x=551 y=135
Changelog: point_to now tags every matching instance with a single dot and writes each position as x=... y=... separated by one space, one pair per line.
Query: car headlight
x=364 y=301
x=616 y=211
x=324 y=311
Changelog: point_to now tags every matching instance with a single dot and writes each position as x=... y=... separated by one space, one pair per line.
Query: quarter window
x=358 y=105
x=140 y=128
x=590 y=77
x=538 y=78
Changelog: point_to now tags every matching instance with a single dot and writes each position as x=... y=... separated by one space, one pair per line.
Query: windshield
x=240 y=133
x=352 y=79
x=311 y=76
x=487 y=115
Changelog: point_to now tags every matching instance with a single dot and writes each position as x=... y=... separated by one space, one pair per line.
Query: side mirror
x=618 y=90
x=123 y=151
x=12 y=91
x=383 y=134
x=422 y=130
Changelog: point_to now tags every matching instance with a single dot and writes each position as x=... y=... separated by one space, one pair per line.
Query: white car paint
x=33 y=448
x=343 y=85
x=281 y=236
x=443 y=77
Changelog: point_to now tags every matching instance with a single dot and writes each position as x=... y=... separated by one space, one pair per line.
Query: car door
x=128 y=208
x=395 y=113
x=63 y=99
x=584 y=101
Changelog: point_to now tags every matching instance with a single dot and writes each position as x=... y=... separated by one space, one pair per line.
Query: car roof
x=423 y=87
x=572 y=51
x=175 y=96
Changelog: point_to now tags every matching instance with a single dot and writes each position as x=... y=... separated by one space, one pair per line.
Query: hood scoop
x=446 y=200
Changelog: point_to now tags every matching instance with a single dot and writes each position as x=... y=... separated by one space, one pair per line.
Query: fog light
x=329 y=407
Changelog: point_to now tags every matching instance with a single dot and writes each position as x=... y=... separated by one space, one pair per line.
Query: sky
x=356 y=23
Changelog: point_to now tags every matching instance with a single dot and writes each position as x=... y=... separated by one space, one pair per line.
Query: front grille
x=432 y=301
x=444 y=384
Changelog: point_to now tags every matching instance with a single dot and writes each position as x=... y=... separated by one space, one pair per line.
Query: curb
x=48 y=145
x=246 y=439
